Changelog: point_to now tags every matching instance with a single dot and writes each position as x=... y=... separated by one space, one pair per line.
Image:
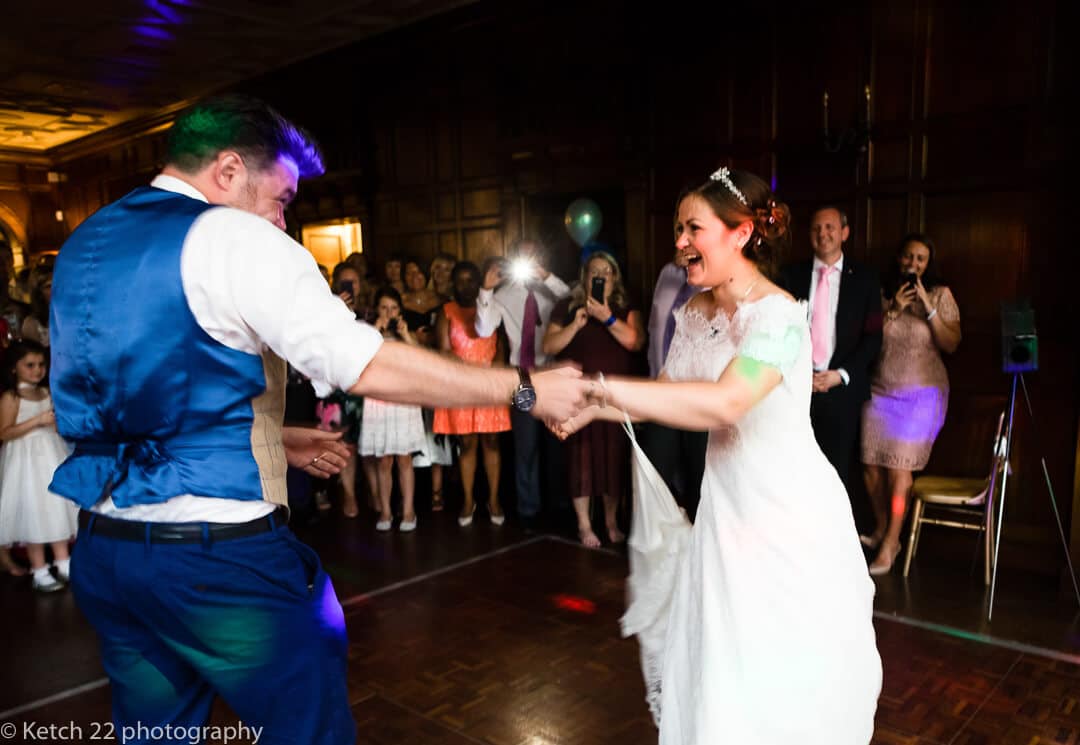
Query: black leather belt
x=91 y=523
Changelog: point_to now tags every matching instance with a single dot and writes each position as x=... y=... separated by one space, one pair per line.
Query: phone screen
x=598 y=289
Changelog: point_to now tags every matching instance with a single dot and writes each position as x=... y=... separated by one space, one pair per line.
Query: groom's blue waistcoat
x=154 y=406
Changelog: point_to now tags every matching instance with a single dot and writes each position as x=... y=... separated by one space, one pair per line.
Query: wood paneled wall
x=461 y=133
x=29 y=199
x=485 y=124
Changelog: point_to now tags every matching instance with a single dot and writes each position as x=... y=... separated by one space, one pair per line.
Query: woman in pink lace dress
x=909 y=391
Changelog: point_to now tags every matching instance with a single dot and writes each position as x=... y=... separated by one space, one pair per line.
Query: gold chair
x=963 y=503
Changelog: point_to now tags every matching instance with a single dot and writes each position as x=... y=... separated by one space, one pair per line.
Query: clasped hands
x=826 y=380
x=567 y=401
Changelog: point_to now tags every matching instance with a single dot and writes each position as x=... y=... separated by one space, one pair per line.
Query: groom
x=172 y=319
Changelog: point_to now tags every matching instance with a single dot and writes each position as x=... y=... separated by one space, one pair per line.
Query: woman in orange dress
x=456 y=331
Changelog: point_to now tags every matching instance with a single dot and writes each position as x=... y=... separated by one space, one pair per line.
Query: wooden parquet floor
x=521 y=647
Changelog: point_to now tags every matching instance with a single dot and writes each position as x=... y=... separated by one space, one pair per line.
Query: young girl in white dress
x=29 y=513
x=768 y=636
x=389 y=432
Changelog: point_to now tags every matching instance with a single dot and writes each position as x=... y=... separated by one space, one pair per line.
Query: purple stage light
x=148 y=31
x=912 y=414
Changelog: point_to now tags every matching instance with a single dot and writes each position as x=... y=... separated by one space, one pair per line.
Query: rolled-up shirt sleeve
x=558 y=288
x=488 y=316
x=248 y=285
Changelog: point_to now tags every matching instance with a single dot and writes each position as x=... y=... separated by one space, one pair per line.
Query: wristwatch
x=524 y=398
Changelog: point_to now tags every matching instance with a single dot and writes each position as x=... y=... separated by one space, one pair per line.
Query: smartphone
x=909 y=279
x=597 y=290
x=341 y=287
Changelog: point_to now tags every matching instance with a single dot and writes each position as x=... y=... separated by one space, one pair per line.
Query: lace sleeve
x=682 y=360
x=775 y=334
x=946 y=304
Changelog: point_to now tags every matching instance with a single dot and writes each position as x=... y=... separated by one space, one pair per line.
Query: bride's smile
x=711 y=248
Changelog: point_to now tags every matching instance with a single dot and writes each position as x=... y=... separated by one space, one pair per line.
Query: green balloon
x=583 y=220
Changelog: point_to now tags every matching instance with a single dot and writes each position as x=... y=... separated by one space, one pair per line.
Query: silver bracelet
x=931 y=314
x=603 y=387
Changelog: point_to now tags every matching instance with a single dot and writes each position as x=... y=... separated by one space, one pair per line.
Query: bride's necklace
x=752 y=284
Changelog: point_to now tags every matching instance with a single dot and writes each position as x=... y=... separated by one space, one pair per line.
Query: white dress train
x=766 y=637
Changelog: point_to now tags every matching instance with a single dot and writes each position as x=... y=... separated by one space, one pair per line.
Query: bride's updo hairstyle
x=738 y=196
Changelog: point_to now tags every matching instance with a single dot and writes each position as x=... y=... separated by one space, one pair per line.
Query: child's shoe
x=44 y=581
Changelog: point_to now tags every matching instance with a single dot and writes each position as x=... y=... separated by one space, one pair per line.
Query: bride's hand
x=565 y=428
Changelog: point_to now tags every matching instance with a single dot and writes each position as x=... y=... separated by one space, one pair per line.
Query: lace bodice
x=770 y=330
x=909 y=357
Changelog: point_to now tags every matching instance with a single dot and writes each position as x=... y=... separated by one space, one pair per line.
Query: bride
x=769 y=638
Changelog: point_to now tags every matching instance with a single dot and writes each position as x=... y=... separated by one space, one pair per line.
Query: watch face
x=524 y=398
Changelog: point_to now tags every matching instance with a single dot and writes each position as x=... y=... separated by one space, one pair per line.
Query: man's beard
x=246 y=198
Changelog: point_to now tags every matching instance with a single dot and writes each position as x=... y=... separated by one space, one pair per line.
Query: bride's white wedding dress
x=766 y=638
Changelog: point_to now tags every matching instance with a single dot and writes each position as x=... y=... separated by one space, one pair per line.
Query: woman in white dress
x=391 y=433
x=769 y=637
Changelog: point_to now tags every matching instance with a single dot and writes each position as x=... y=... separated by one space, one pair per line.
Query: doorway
x=331 y=241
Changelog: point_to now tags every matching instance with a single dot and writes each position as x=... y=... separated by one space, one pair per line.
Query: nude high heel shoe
x=883 y=562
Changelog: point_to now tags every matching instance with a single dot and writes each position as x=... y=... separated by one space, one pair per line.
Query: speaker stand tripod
x=1018 y=377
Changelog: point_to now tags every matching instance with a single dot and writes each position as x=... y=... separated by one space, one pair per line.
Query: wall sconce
x=59 y=215
x=855 y=138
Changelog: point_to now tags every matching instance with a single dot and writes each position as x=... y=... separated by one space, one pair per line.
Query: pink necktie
x=819 y=327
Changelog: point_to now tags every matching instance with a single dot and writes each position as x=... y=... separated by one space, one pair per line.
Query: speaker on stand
x=1019 y=355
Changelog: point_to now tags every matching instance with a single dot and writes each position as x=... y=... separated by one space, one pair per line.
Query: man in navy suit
x=845 y=329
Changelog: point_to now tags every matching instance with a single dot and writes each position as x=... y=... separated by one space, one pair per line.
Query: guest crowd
x=880 y=391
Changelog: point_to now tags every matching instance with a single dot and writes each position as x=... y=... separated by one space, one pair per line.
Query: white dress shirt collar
x=839 y=265
x=179 y=186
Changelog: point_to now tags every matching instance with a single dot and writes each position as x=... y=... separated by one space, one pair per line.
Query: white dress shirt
x=668 y=283
x=251 y=287
x=834 y=279
x=506 y=305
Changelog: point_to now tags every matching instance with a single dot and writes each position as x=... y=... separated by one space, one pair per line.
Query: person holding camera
x=340 y=411
x=596 y=328
x=420 y=310
x=390 y=432
x=519 y=295
x=909 y=392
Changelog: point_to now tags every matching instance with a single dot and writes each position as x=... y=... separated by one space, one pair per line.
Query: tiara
x=722 y=176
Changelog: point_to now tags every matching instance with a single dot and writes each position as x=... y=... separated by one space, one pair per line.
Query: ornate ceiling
x=71 y=68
